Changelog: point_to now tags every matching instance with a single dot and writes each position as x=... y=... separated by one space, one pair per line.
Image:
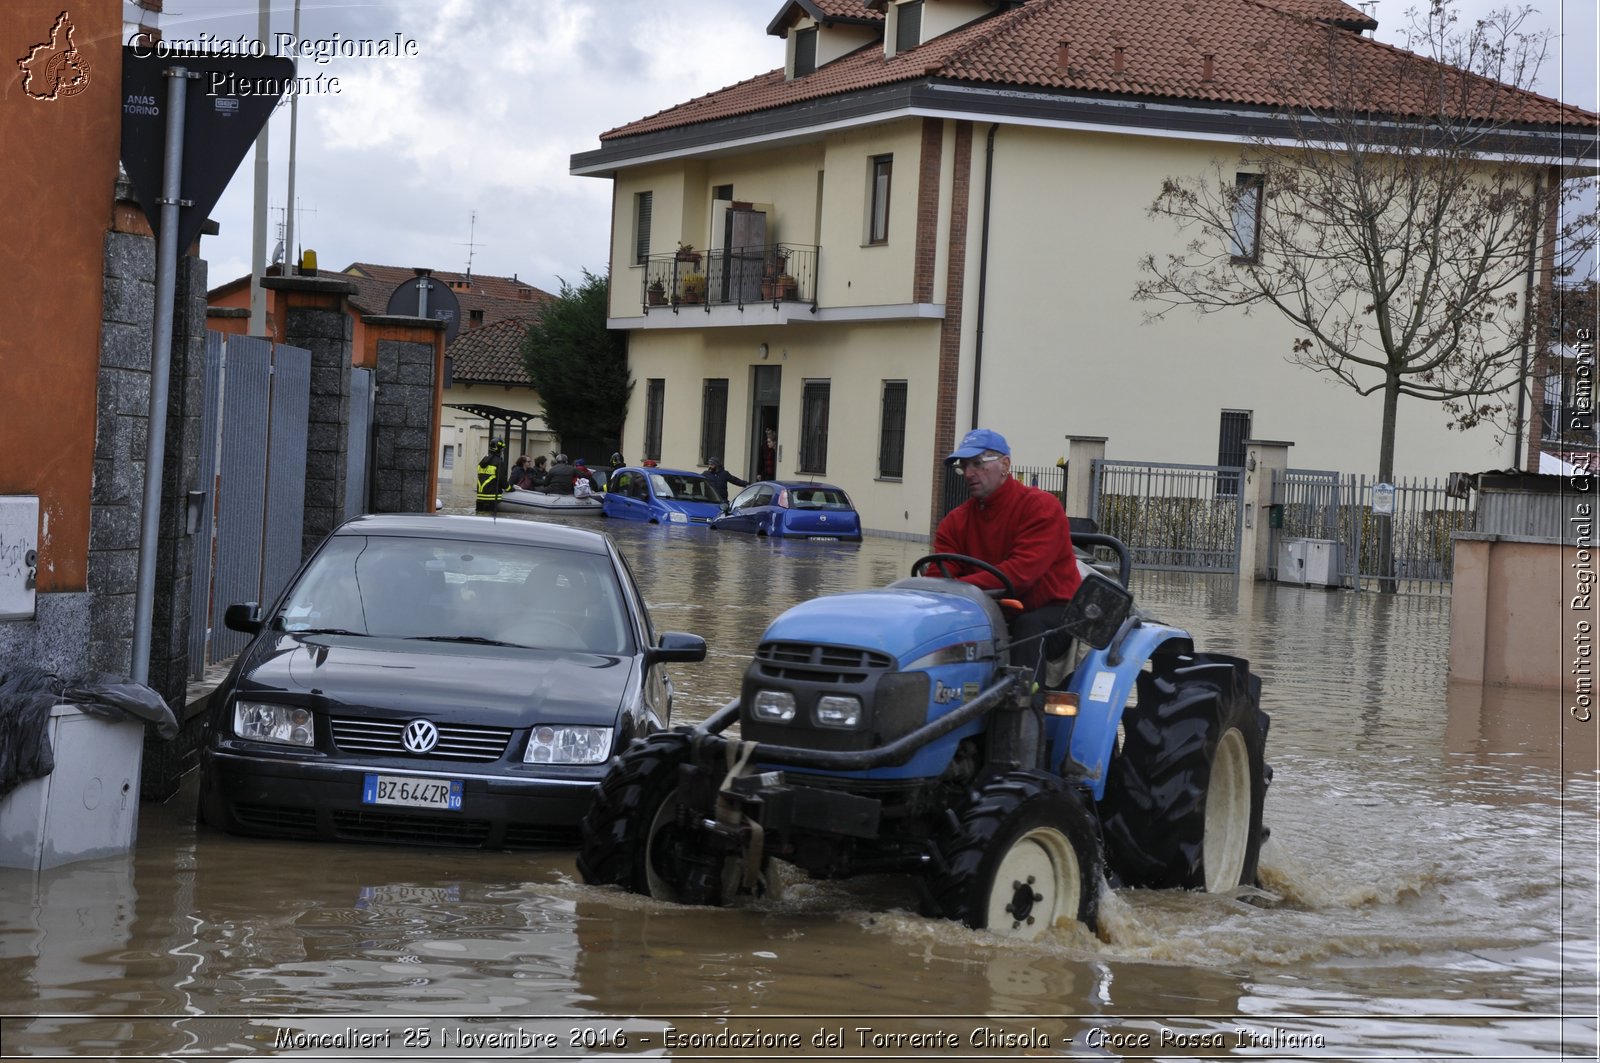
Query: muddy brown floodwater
x=1429 y=892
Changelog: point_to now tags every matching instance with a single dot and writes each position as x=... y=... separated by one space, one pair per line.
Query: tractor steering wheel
x=1006 y=589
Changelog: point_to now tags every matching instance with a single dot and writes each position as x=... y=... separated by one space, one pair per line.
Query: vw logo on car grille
x=420 y=736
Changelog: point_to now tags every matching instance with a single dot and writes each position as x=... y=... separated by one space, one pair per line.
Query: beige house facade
x=959 y=192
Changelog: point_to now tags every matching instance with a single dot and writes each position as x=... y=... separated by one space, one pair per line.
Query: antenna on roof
x=471 y=246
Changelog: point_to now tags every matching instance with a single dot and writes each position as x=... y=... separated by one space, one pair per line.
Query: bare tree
x=1404 y=214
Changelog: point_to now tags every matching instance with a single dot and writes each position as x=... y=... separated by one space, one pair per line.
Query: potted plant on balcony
x=775 y=273
x=694 y=288
x=656 y=294
x=687 y=253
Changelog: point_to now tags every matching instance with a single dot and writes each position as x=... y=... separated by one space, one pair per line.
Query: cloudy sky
x=485 y=116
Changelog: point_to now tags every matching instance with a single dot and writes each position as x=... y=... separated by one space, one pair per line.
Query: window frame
x=1228 y=483
x=900 y=25
x=892 y=431
x=809 y=36
x=643 y=208
x=1248 y=188
x=654 y=413
x=880 y=186
x=713 y=429
x=815 y=401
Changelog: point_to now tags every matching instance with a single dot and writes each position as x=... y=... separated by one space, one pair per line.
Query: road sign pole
x=160 y=368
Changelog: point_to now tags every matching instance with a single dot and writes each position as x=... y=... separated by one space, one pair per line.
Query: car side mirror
x=243 y=616
x=677 y=646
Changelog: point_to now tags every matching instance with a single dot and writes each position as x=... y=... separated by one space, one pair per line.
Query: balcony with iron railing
x=731 y=276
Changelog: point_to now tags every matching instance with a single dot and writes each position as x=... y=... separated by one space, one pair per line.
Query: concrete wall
x=58 y=167
x=1522 y=612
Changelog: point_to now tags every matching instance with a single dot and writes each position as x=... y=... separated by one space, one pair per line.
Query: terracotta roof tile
x=499 y=298
x=1258 y=48
x=491 y=354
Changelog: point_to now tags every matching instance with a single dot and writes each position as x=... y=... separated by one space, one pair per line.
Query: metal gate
x=253 y=472
x=357 y=489
x=1182 y=517
x=1408 y=545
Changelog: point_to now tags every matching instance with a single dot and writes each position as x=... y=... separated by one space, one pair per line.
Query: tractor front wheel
x=1025 y=855
x=630 y=837
x=1184 y=796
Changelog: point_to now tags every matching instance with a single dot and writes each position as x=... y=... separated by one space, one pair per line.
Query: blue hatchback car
x=791 y=509
x=660 y=496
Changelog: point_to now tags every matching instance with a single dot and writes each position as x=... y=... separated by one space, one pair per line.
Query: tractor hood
x=904 y=623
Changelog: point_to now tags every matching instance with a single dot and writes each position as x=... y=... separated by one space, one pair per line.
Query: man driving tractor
x=1023 y=531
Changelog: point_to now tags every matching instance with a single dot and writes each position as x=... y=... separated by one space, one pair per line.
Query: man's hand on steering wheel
x=1006 y=589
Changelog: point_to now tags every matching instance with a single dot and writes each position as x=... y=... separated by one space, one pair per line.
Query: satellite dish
x=406 y=300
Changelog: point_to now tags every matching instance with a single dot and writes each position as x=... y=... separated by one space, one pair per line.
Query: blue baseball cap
x=978 y=441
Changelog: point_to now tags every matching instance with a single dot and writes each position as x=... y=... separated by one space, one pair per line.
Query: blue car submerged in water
x=660 y=496
x=793 y=509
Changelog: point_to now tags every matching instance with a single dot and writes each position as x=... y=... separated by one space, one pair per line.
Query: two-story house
x=931 y=218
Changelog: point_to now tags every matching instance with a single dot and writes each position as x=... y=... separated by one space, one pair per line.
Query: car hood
x=491 y=684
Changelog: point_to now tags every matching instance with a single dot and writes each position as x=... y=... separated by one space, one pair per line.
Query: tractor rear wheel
x=1024 y=856
x=1184 y=795
x=629 y=832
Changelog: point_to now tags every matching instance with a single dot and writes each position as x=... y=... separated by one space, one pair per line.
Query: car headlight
x=774 y=705
x=677 y=518
x=835 y=711
x=262 y=721
x=568 y=745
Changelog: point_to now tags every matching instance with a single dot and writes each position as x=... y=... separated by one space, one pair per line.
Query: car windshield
x=459 y=590
x=682 y=488
x=818 y=498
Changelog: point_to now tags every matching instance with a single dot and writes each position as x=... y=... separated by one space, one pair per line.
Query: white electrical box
x=88 y=806
x=1310 y=562
x=19 y=555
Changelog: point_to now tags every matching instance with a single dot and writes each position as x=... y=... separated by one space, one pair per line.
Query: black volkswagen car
x=436 y=680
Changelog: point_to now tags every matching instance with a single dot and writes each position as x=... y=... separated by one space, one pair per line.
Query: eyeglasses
x=975 y=463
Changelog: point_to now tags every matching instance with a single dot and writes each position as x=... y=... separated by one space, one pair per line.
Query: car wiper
x=477 y=640
x=321 y=631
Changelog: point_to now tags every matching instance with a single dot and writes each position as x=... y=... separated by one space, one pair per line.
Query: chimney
x=1063 y=56
x=1208 y=66
x=1119 y=59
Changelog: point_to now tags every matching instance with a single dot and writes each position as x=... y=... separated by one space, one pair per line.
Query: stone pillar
x=407 y=356
x=117 y=495
x=315 y=315
x=1262 y=457
x=1082 y=453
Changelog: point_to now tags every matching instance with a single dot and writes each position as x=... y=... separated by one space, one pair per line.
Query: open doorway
x=766 y=388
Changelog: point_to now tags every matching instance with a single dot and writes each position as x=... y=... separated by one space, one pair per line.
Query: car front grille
x=277 y=820
x=410 y=829
x=382 y=738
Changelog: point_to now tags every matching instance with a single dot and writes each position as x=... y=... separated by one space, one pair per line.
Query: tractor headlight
x=836 y=711
x=568 y=745
x=775 y=706
x=262 y=721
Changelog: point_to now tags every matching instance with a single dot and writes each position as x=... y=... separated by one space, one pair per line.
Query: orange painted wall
x=58 y=162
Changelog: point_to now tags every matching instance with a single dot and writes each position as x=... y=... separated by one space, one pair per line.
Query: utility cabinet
x=1311 y=562
x=19 y=555
x=88 y=806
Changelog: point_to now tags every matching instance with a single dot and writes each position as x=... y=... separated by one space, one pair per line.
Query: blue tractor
x=890 y=731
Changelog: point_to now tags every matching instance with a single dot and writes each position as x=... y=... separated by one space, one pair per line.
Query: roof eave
x=1176 y=117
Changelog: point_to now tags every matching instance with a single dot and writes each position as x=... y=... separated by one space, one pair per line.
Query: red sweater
x=1023 y=532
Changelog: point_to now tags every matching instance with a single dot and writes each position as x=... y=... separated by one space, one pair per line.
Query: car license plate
x=442 y=794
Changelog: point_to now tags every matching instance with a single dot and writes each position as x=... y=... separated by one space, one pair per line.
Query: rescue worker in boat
x=491 y=477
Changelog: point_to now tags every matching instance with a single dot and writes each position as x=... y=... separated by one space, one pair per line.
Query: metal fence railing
x=1409 y=549
x=731 y=276
x=1183 y=517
